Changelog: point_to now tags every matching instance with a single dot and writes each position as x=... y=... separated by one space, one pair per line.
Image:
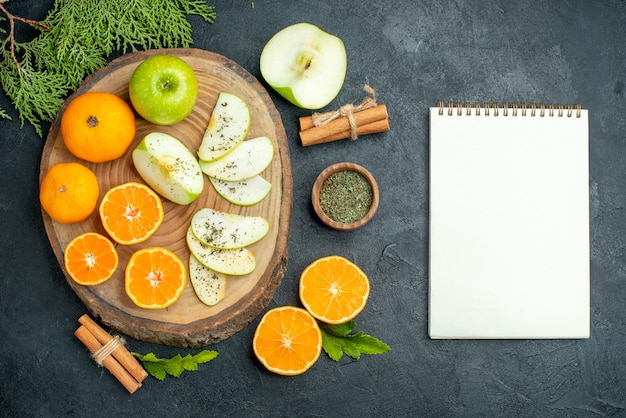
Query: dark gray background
x=412 y=53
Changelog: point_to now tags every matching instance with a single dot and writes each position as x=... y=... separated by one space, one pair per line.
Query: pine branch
x=76 y=38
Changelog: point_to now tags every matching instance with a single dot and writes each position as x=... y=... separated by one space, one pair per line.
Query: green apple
x=237 y=262
x=169 y=167
x=163 y=89
x=246 y=192
x=305 y=65
x=209 y=285
x=247 y=160
x=228 y=231
x=228 y=126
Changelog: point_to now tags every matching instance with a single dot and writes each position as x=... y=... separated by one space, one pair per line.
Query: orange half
x=155 y=278
x=334 y=290
x=90 y=259
x=131 y=213
x=287 y=341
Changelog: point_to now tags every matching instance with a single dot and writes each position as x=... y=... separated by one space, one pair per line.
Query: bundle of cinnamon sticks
x=109 y=351
x=368 y=121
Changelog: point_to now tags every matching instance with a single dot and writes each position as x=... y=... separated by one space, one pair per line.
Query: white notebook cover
x=509 y=225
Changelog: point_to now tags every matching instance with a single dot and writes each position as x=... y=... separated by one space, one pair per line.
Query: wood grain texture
x=188 y=322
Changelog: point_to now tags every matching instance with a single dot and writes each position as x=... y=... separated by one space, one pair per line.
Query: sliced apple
x=238 y=262
x=209 y=285
x=169 y=168
x=228 y=126
x=227 y=231
x=243 y=192
x=247 y=160
x=305 y=65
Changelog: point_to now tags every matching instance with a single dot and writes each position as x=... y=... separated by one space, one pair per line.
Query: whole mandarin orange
x=69 y=192
x=98 y=126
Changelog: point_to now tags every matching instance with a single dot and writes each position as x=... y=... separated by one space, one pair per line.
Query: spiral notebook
x=509 y=222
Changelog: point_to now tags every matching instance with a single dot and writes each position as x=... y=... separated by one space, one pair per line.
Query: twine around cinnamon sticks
x=349 y=121
x=109 y=351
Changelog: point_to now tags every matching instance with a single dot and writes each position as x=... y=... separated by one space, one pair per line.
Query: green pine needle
x=76 y=38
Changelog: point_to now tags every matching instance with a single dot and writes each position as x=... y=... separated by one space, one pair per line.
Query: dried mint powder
x=346 y=196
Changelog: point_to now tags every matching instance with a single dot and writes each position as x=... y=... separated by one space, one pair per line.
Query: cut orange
x=287 y=341
x=155 y=278
x=131 y=213
x=90 y=259
x=334 y=290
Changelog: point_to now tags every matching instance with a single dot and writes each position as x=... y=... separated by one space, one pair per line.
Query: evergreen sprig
x=76 y=38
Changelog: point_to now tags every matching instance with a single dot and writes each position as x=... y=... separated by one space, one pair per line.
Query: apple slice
x=305 y=65
x=169 y=168
x=246 y=192
x=228 y=126
x=238 y=262
x=249 y=159
x=209 y=285
x=227 y=231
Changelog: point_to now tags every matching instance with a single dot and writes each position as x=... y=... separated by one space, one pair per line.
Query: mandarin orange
x=90 y=259
x=333 y=289
x=287 y=341
x=69 y=192
x=98 y=126
x=155 y=278
x=131 y=213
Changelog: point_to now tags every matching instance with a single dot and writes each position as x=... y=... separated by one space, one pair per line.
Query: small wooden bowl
x=317 y=186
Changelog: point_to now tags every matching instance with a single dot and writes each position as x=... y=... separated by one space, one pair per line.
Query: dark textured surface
x=413 y=54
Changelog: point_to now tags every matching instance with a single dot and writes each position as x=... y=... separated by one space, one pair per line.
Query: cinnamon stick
x=111 y=364
x=319 y=136
x=371 y=120
x=121 y=354
x=362 y=117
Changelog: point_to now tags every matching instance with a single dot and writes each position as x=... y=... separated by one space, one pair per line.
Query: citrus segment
x=69 y=192
x=131 y=213
x=334 y=290
x=90 y=259
x=155 y=278
x=98 y=126
x=287 y=341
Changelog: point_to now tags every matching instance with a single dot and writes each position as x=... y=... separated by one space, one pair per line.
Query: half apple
x=305 y=65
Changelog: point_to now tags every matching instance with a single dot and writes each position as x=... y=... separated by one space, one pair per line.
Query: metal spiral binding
x=506 y=109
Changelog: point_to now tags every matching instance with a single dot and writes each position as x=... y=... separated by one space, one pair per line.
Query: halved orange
x=90 y=259
x=333 y=289
x=287 y=341
x=131 y=212
x=155 y=278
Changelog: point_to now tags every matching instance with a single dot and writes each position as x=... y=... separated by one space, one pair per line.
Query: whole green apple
x=305 y=65
x=163 y=89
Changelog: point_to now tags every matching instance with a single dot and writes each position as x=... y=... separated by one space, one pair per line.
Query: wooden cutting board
x=188 y=322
